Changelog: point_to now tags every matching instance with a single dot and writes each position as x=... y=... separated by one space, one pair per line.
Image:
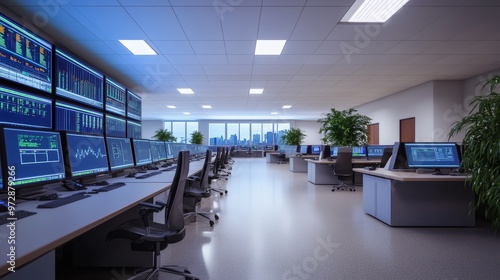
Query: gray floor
x=275 y=225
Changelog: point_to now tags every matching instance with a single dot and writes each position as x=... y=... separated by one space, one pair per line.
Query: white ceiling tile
x=173 y=47
x=411 y=47
x=208 y=47
x=315 y=23
x=300 y=47
x=199 y=23
x=240 y=47
x=212 y=59
x=149 y=18
x=277 y=23
x=240 y=59
x=111 y=23
x=241 y=24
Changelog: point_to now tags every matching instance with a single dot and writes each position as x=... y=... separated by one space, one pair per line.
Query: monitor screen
x=115 y=97
x=376 y=150
x=315 y=149
x=168 y=148
x=359 y=151
x=1 y=174
x=134 y=129
x=134 y=106
x=303 y=150
x=158 y=151
x=85 y=155
x=432 y=155
x=77 y=81
x=334 y=151
x=119 y=153
x=78 y=119
x=116 y=126
x=142 y=152
x=22 y=108
x=36 y=156
x=24 y=57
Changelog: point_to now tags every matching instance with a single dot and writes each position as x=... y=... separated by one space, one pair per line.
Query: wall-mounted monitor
x=134 y=106
x=36 y=156
x=158 y=150
x=359 y=151
x=115 y=97
x=116 y=126
x=77 y=81
x=24 y=57
x=432 y=155
x=134 y=129
x=22 y=108
x=119 y=153
x=85 y=155
x=142 y=152
x=315 y=149
x=75 y=118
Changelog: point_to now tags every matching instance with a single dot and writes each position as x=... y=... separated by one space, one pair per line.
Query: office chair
x=343 y=168
x=198 y=188
x=215 y=176
x=281 y=158
x=146 y=235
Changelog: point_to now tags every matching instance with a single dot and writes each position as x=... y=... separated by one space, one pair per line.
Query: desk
x=298 y=164
x=246 y=153
x=320 y=172
x=272 y=157
x=410 y=199
x=39 y=235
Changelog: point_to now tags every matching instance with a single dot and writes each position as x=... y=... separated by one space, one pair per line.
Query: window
x=244 y=134
x=181 y=130
x=217 y=133
x=190 y=128
x=232 y=134
x=257 y=138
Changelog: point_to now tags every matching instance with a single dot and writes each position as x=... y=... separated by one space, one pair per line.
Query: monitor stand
x=30 y=192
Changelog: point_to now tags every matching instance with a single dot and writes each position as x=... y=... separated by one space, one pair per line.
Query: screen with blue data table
x=315 y=149
x=432 y=155
x=359 y=151
x=119 y=153
x=376 y=150
x=158 y=151
x=36 y=156
x=75 y=118
x=86 y=155
x=116 y=126
x=24 y=57
x=134 y=106
x=142 y=152
x=115 y=97
x=23 y=108
x=134 y=129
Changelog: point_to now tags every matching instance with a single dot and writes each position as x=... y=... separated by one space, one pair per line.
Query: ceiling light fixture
x=185 y=90
x=187 y=113
x=274 y=113
x=138 y=47
x=256 y=91
x=206 y=106
x=286 y=106
x=171 y=106
x=372 y=10
x=269 y=47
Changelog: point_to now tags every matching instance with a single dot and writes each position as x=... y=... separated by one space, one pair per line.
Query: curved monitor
x=432 y=155
x=119 y=153
x=35 y=155
x=85 y=155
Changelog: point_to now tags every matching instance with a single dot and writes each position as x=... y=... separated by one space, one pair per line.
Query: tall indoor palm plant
x=196 y=137
x=164 y=135
x=344 y=128
x=293 y=136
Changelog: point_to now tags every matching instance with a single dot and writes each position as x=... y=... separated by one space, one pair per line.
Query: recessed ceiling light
x=256 y=91
x=372 y=10
x=171 y=106
x=274 y=113
x=206 y=106
x=286 y=106
x=269 y=47
x=185 y=90
x=138 y=47
x=187 y=113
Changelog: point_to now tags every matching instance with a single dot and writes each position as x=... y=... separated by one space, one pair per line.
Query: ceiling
x=208 y=45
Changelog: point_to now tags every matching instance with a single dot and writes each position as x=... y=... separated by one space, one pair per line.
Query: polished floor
x=275 y=225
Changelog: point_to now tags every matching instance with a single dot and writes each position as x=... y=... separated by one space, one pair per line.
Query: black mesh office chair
x=281 y=158
x=343 y=168
x=198 y=188
x=146 y=235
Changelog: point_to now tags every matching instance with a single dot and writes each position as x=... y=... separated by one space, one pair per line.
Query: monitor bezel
x=412 y=164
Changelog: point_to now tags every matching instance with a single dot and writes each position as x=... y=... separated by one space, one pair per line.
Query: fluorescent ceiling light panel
x=269 y=47
x=256 y=91
x=274 y=113
x=372 y=10
x=286 y=106
x=185 y=90
x=138 y=47
x=171 y=106
x=186 y=113
x=206 y=106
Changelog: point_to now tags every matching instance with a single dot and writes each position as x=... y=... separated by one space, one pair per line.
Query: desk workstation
x=320 y=172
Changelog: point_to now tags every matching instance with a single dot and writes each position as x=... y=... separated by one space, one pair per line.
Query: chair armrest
x=151 y=207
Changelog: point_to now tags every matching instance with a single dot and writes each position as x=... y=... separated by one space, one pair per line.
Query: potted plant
x=481 y=153
x=196 y=137
x=344 y=128
x=164 y=135
x=293 y=137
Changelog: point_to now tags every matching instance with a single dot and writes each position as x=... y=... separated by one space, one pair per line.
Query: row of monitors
x=29 y=60
x=36 y=157
x=332 y=151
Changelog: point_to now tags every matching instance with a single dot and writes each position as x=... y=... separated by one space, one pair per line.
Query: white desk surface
x=408 y=176
x=49 y=228
x=354 y=161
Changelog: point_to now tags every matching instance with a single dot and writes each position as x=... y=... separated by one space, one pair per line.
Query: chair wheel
x=333 y=190
x=211 y=223
x=216 y=216
x=225 y=191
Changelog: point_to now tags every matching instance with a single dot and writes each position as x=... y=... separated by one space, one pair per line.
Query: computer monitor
x=315 y=149
x=18 y=107
x=142 y=152
x=158 y=151
x=36 y=156
x=359 y=151
x=85 y=155
x=398 y=158
x=334 y=151
x=303 y=150
x=168 y=147
x=325 y=152
x=115 y=97
x=432 y=155
x=116 y=126
x=386 y=155
x=76 y=118
x=119 y=153
x=376 y=151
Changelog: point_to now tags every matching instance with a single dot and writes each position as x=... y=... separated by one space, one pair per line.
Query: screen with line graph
x=35 y=155
x=86 y=155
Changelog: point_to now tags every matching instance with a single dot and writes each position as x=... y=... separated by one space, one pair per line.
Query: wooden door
x=407 y=130
x=373 y=135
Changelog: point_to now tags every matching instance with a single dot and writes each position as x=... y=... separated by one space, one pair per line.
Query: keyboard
x=64 y=200
x=18 y=214
x=110 y=187
x=147 y=175
x=169 y=168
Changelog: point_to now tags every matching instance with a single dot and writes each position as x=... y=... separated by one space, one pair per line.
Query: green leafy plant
x=293 y=136
x=344 y=128
x=164 y=135
x=196 y=137
x=481 y=157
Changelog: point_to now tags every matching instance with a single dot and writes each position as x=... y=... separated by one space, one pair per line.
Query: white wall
x=447 y=95
x=149 y=128
x=311 y=130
